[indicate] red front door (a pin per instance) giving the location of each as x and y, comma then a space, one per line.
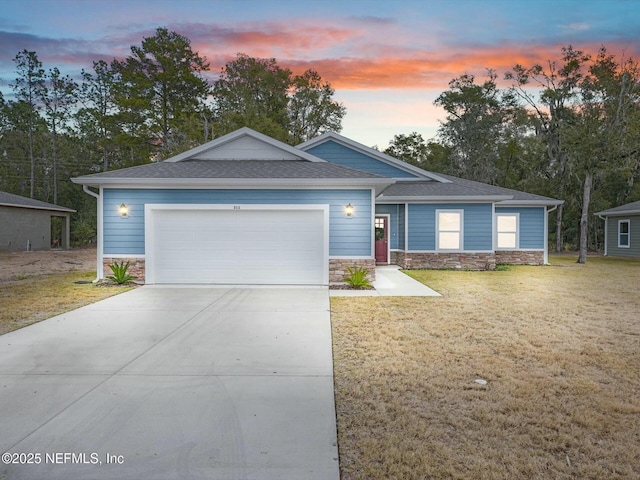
382, 239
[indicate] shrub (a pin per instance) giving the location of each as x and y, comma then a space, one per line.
358, 277
82, 233
120, 275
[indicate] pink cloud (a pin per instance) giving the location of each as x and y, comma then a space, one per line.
434, 70
357, 56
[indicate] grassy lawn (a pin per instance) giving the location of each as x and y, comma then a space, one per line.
559, 347
32, 299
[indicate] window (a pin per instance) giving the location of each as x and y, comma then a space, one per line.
449, 229
624, 227
507, 225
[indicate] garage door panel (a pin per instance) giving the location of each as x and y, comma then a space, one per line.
238, 246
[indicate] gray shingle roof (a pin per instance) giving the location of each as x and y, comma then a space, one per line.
203, 171
434, 189
460, 187
11, 200
238, 169
626, 209
516, 194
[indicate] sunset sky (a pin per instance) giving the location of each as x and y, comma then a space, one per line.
387, 60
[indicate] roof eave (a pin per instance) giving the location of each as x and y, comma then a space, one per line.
607, 213
229, 182
33, 207
441, 198
532, 203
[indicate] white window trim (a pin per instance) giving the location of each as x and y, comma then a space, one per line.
628, 234
447, 210
517, 232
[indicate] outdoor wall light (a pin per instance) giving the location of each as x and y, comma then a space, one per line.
348, 210
124, 210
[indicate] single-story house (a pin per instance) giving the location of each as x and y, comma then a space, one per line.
248, 209
622, 230
25, 224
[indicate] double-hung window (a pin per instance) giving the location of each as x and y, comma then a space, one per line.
449, 233
624, 229
508, 226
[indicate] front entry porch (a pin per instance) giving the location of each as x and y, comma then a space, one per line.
390, 282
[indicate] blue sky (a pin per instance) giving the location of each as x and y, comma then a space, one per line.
387, 60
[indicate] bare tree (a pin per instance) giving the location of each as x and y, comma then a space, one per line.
557, 85
29, 88
59, 95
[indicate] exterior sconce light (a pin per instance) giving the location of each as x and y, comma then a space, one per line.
348, 210
124, 210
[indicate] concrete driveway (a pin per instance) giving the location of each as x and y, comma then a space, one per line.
173, 383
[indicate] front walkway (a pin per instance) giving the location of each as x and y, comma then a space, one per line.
390, 282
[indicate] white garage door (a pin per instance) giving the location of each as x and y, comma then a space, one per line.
262, 245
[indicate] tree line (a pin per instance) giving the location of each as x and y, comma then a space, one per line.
149, 106
567, 129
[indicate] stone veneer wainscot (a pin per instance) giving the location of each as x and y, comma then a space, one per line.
338, 268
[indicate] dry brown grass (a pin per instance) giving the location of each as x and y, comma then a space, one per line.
558, 345
30, 300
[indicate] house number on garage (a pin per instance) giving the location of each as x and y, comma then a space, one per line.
236, 207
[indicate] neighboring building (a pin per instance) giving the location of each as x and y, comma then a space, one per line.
25, 223
622, 230
248, 209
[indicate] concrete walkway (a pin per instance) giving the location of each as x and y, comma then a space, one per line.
173, 383
390, 282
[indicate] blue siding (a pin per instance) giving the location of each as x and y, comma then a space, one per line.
531, 225
347, 157
396, 228
347, 236
478, 225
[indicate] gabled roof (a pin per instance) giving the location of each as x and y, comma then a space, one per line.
252, 141
246, 158
243, 157
632, 208
383, 157
11, 200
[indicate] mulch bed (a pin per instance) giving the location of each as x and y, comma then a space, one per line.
348, 287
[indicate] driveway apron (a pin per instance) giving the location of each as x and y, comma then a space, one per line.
173, 383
